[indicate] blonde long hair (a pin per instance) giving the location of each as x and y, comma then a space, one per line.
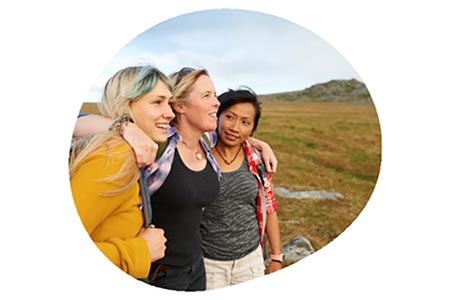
124, 87
182, 81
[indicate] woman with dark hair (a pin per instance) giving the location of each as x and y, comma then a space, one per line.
233, 226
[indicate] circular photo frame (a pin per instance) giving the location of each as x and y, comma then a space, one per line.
317, 116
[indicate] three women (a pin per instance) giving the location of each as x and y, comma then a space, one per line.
184, 180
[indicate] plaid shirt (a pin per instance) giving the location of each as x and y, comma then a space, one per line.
266, 198
157, 174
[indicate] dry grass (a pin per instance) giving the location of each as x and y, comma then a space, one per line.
320, 146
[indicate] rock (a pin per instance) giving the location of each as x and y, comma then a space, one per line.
293, 222
298, 248
284, 192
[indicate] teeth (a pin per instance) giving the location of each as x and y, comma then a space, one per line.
213, 115
162, 126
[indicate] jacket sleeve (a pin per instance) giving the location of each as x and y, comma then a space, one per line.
101, 214
271, 205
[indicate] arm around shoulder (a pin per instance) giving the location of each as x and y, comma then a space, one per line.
90, 124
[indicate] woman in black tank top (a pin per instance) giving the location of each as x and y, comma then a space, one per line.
191, 184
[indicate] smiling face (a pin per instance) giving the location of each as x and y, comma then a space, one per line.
236, 123
201, 105
152, 112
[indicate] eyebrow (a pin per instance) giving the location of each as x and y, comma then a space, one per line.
162, 96
229, 111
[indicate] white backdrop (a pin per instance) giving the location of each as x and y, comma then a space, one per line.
52, 52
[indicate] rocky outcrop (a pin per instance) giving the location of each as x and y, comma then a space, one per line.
297, 249
350, 91
284, 192
338, 91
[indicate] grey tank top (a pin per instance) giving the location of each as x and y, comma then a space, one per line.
229, 225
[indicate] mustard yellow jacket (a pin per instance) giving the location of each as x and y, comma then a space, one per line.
111, 221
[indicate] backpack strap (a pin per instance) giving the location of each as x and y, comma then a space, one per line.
145, 198
144, 192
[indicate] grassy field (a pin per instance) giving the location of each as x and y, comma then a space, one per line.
320, 146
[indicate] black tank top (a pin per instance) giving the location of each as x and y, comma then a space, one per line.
177, 208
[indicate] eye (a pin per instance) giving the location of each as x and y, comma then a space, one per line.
246, 122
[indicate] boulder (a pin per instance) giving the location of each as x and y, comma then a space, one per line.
325, 195
298, 248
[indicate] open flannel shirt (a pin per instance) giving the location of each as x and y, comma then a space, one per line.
157, 174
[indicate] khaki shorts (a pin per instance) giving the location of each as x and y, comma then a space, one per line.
222, 273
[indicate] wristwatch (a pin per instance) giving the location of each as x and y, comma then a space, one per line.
277, 257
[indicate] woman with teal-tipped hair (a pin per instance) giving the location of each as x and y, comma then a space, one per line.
104, 176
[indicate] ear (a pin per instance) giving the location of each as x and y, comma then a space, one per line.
178, 107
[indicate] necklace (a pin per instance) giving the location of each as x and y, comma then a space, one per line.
228, 162
197, 154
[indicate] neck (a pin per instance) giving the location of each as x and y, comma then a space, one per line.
228, 154
190, 137
226, 149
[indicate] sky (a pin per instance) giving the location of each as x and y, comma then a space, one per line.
238, 47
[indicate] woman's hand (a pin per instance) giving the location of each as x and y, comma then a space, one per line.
144, 148
275, 266
156, 241
269, 158
267, 154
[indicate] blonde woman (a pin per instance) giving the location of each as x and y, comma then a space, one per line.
104, 176
182, 181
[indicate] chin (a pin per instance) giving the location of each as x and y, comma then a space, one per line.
211, 128
160, 139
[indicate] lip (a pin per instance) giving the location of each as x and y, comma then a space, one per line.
162, 126
231, 137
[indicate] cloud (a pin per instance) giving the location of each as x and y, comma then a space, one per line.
238, 47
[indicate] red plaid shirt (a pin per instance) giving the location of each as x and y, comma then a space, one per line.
266, 197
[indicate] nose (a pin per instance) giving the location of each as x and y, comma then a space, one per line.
216, 102
234, 125
168, 112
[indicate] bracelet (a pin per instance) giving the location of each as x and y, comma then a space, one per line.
276, 260
277, 257
116, 126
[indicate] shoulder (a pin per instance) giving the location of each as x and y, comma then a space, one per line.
253, 154
114, 147
112, 152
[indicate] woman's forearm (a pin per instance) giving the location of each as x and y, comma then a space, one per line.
273, 233
267, 154
90, 124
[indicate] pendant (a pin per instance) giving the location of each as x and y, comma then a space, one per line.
198, 155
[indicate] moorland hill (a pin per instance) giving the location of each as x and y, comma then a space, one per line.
349, 91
